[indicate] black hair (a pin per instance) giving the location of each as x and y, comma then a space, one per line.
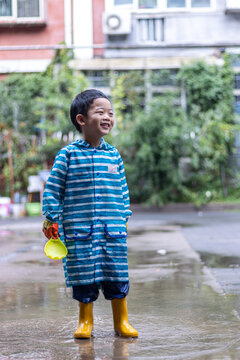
82, 102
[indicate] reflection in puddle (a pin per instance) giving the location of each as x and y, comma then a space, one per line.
120, 348
86, 349
30, 299
9, 256
182, 224
219, 261
150, 230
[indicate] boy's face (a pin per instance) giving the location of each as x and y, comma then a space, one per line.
99, 120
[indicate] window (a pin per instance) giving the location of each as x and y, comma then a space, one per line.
98, 78
123, 2
200, 3
150, 30
176, 3
237, 82
20, 8
164, 5
147, 4
163, 77
28, 8
5, 7
185, 3
237, 106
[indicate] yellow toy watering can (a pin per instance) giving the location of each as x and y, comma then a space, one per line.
55, 249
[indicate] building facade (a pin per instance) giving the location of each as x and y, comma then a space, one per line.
29, 30
117, 35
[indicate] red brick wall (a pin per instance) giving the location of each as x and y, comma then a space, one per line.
98, 38
51, 34
2, 77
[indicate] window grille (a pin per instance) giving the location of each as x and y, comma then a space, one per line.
5, 7
150, 30
20, 8
28, 8
98, 78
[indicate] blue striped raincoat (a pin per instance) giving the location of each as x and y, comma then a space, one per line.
87, 195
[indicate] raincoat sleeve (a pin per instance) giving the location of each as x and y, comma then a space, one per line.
54, 191
125, 191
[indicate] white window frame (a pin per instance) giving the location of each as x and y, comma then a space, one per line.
188, 7
15, 18
161, 6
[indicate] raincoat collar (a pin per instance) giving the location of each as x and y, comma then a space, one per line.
83, 143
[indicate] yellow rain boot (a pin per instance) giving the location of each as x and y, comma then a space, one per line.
120, 319
85, 326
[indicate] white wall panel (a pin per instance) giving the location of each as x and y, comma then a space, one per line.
83, 28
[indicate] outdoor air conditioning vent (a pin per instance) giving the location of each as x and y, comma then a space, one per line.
117, 23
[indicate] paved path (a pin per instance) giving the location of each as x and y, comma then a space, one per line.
175, 302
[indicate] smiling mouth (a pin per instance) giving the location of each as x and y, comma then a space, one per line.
105, 125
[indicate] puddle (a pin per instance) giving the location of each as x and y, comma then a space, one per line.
37, 262
177, 314
151, 230
219, 261
226, 270
177, 318
182, 224
9, 256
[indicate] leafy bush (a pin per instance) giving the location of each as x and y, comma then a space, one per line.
176, 154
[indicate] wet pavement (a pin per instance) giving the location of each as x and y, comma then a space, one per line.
176, 302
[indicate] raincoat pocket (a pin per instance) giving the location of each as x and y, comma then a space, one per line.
116, 240
115, 233
80, 234
79, 242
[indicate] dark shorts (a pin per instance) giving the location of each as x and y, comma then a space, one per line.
111, 290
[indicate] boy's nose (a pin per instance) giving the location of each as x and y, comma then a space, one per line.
106, 116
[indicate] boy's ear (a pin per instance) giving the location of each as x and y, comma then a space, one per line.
80, 119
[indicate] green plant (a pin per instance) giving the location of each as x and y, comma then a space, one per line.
34, 119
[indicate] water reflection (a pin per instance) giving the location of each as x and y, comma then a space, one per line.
23, 299
119, 346
86, 349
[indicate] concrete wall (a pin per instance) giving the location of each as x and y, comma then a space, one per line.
185, 32
83, 28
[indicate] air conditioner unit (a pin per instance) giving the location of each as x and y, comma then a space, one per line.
117, 23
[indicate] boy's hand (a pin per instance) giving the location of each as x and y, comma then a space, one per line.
50, 229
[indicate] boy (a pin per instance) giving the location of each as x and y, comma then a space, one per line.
86, 201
